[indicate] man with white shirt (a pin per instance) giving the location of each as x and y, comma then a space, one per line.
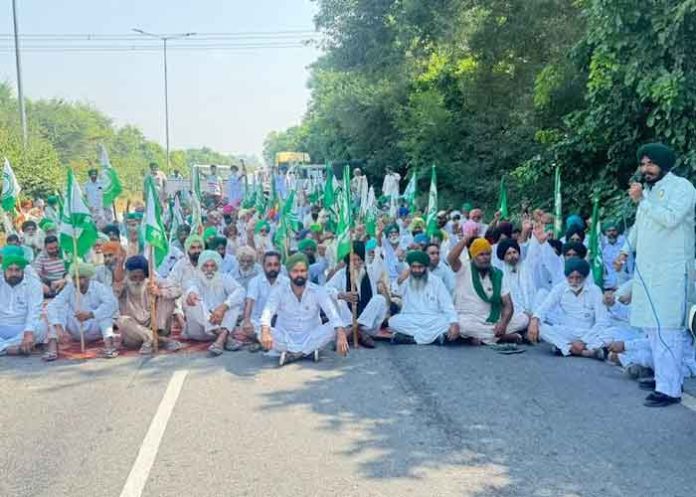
258, 291
440, 268
298, 329
212, 303
20, 312
573, 317
94, 191
94, 316
427, 314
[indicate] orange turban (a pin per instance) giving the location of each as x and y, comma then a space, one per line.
479, 246
111, 248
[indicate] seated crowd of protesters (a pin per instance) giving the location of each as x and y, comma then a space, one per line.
229, 285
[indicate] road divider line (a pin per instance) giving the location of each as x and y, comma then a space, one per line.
148, 449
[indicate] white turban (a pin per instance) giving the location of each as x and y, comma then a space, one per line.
209, 255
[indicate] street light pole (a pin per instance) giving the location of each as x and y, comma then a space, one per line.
20, 91
165, 39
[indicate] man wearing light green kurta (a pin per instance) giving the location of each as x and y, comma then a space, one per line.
663, 239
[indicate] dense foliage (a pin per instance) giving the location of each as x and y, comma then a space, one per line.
69, 133
486, 88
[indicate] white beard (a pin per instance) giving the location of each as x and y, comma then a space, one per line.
210, 284
135, 289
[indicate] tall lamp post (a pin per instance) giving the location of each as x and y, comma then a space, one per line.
165, 39
20, 92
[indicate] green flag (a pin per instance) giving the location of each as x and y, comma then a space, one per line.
431, 217
289, 224
111, 184
410, 192
329, 193
10, 188
77, 228
344, 217
595, 246
155, 234
557, 204
503, 205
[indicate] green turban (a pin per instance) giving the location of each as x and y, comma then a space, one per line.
260, 225
417, 256
315, 228
467, 206
13, 256
659, 154
295, 259
49, 226
417, 223
44, 222
392, 228
191, 240
83, 269
307, 243
371, 244
579, 265
137, 216
209, 232
52, 200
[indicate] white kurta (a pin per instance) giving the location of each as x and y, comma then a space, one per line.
225, 290
372, 315
99, 300
298, 326
20, 311
663, 239
94, 194
473, 312
426, 313
581, 317
258, 291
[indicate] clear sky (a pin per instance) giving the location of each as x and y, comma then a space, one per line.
228, 100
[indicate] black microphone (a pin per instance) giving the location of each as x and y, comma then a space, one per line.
637, 177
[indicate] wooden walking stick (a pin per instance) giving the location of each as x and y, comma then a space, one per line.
76, 284
153, 301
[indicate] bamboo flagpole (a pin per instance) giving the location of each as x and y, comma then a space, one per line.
153, 301
76, 283
353, 289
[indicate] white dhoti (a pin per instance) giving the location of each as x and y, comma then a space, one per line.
668, 355
198, 325
370, 318
11, 335
304, 342
424, 328
472, 326
92, 329
562, 336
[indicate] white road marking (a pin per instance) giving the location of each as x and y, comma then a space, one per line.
689, 401
148, 449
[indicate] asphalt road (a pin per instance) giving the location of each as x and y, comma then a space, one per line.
396, 421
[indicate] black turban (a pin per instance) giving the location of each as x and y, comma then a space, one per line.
504, 246
137, 262
577, 247
358, 249
575, 230
659, 154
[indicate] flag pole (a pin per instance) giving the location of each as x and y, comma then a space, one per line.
77, 292
353, 289
153, 301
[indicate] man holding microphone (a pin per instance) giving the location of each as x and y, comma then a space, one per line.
663, 240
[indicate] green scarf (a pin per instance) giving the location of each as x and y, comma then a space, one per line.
495, 300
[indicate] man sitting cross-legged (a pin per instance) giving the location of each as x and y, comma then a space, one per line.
94, 315
260, 288
20, 305
296, 304
212, 303
573, 316
482, 297
135, 290
369, 296
427, 313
